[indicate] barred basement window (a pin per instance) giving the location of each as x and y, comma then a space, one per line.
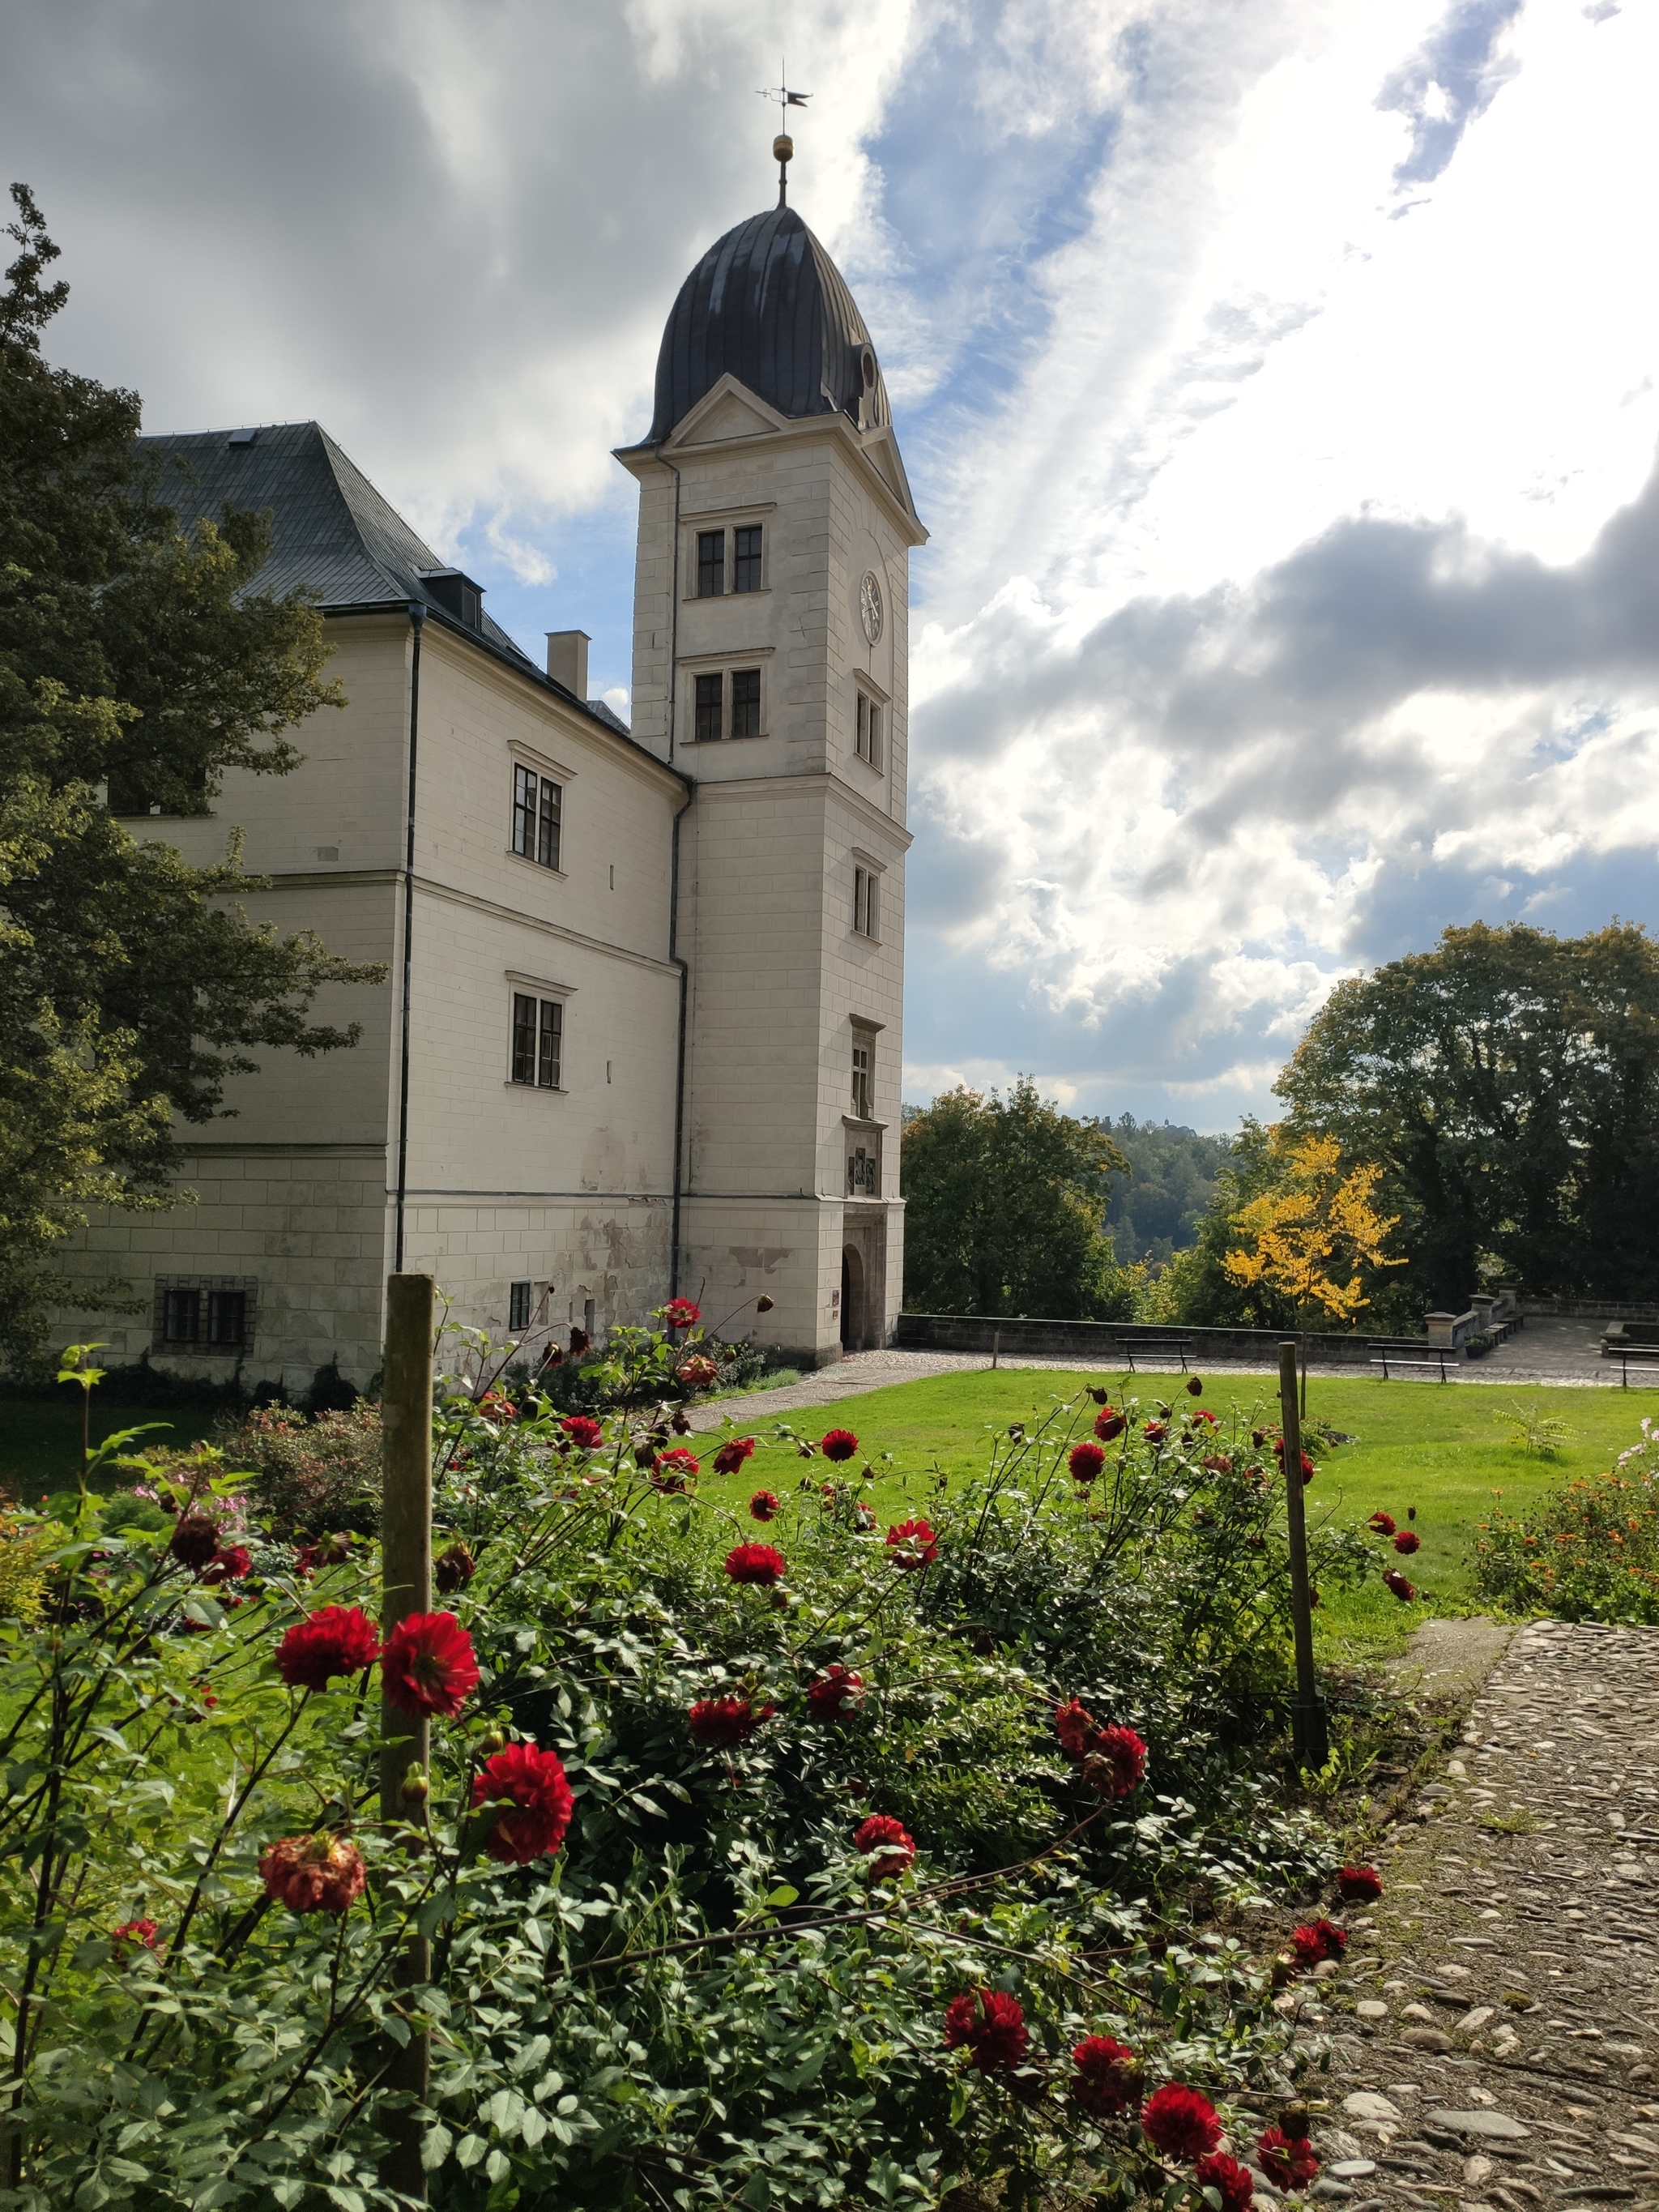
746, 565
746, 702
711, 564
867, 903
204, 1313
711, 697
226, 1318
538, 1041
518, 1305
181, 1316
537, 815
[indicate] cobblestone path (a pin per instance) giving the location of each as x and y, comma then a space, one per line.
1495, 2024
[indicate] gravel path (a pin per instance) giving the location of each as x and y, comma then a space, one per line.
1494, 2031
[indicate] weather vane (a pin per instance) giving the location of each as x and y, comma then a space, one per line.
783, 145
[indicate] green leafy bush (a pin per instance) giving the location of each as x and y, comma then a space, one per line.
1591, 1551
711, 1994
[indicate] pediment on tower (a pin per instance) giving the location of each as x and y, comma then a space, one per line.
728, 410
881, 451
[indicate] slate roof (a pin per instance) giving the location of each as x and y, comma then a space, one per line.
767, 305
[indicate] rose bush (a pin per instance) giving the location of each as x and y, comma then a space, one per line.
644, 1851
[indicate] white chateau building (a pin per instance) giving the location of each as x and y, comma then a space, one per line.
641, 1033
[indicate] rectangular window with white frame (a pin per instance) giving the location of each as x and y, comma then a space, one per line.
538, 816
537, 1041
726, 703
867, 903
867, 730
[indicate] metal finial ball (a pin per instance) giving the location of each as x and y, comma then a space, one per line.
783, 147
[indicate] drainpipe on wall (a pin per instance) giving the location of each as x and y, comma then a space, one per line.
416, 622
674, 886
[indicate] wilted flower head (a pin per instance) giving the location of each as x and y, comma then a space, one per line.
729, 1459
882, 1834
312, 1874
1180, 2121
697, 1372
231, 1563
530, 1787
1403, 1589
428, 1667
194, 1540
673, 1470
453, 1568
1155, 1431
1109, 1423
764, 1302
990, 2025
579, 1342
1107, 2079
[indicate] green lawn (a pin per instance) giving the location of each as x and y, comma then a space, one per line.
41, 1438
1442, 1449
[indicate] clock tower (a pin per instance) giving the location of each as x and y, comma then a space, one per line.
771, 669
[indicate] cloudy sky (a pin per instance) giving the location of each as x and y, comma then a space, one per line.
1278, 382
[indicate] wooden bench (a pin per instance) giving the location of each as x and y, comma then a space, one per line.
1409, 1351
1623, 1353
1147, 1344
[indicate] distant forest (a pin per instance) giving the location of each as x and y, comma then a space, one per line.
1156, 1212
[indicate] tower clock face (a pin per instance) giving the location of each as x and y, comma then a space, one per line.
870, 607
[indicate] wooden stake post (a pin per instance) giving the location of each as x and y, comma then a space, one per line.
1309, 1734
406, 1573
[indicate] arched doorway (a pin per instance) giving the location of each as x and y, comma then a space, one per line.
852, 1299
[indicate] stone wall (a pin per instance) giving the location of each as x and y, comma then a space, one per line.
1101, 1343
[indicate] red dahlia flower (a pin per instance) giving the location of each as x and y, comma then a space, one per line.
1116, 1762
1402, 1588
1232, 2182
327, 1552
1076, 1727
891, 1838
840, 1443
1155, 1431
682, 1313
194, 1540
698, 1372
1287, 2160
1359, 1884
1109, 1424
758, 1564
337, 1639
1308, 1470
764, 1505
1407, 1542
1179, 2122
142, 1932
912, 1544
1384, 1524
673, 1470
1108, 2076
453, 1568
835, 1691
990, 2025
530, 1782
1217, 1463
730, 1458
312, 1874
583, 1430
1086, 1462
231, 1563
1201, 1413
717, 1723
428, 1667
1317, 1940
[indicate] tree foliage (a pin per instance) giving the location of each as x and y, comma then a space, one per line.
1316, 1224
1155, 1210
1507, 1085
1004, 1204
136, 667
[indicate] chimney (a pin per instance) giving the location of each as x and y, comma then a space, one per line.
567, 660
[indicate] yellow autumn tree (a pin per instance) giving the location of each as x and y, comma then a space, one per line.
1315, 1227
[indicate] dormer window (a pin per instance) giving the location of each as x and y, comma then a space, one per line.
456, 595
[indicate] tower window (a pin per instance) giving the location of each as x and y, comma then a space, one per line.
862, 1083
538, 813
746, 702
746, 563
518, 1305
538, 1041
867, 730
711, 565
710, 700
867, 903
